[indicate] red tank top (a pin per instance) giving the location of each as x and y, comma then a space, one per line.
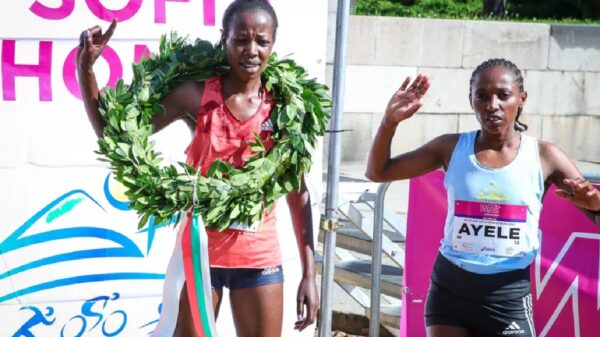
219, 135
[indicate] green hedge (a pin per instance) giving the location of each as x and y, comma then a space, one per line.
456, 9
576, 11
556, 9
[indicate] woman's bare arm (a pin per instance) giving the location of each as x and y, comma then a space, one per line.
92, 43
561, 171
307, 302
182, 103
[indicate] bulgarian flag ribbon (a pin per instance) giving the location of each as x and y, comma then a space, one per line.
197, 275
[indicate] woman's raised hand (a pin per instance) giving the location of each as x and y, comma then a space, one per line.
407, 100
583, 195
91, 44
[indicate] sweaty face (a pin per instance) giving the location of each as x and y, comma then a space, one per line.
248, 43
496, 98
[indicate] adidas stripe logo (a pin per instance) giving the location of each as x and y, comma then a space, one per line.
267, 126
513, 329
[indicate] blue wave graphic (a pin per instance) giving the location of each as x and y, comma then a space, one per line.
18, 239
120, 205
82, 279
15, 241
150, 229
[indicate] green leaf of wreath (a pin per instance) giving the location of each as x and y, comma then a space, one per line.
300, 115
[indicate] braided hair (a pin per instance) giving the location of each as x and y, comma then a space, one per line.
240, 6
519, 126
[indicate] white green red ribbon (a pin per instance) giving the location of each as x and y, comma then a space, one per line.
197, 275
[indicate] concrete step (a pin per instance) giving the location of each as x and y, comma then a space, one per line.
364, 223
388, 315
358, 273
391, 218
351, 238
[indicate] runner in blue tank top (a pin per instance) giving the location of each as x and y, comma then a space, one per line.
496, 178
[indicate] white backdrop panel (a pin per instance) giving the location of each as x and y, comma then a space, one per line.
71, 258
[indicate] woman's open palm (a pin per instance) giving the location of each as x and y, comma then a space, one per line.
407, 100
583, 195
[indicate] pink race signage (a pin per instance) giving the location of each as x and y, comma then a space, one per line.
53, 55
565, 275
126, 12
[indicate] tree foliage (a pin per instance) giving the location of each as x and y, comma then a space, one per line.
422, 8
474, 9
556, 9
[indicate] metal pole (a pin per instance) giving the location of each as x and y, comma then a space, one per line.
333, 165
376, 261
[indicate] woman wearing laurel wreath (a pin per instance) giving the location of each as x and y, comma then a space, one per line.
223, 113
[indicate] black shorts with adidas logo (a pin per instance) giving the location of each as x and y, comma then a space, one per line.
487, 305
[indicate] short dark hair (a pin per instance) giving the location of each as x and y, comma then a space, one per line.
240, 6
519, 126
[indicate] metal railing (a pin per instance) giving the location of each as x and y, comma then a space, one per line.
376, 261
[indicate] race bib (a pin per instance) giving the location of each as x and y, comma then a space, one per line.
489, 228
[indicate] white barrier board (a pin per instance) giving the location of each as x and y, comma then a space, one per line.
72, 262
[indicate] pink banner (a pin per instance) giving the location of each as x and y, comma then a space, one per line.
565, 275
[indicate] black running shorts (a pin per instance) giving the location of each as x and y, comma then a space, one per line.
487, 305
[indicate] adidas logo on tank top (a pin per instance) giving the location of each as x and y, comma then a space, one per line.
267, 126
513, 329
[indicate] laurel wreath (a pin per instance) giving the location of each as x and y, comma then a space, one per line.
225, 194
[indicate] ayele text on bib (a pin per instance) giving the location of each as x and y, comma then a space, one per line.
488, 228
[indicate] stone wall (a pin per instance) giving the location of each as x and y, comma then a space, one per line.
560, 64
